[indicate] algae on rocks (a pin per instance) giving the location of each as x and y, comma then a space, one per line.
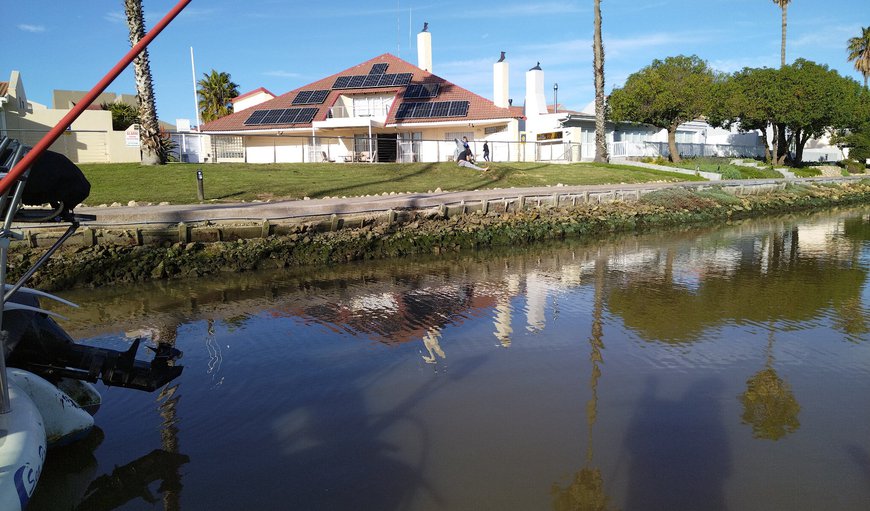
420, 232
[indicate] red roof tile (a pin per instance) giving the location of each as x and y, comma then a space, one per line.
4, 88
479, 108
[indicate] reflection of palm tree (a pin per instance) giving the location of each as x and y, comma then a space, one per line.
586, 491
769, 404
168, 399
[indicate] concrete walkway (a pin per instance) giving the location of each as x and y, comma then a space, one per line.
297, 209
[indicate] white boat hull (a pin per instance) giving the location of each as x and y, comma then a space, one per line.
22, 450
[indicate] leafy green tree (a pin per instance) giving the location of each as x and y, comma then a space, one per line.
152, 148
123, 115
665, 94
216, 91
859, 52
816, 101
747, 100
857, 138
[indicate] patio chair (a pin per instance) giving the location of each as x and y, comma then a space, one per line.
326, 157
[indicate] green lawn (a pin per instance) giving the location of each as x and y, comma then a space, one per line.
227, 182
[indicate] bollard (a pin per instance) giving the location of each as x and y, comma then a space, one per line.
200, 193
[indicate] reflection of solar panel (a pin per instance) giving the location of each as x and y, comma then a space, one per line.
341, 82
281, 116
427, 110
310, 97
256, 117
379, 69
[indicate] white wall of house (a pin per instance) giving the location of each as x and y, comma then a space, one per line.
251, 100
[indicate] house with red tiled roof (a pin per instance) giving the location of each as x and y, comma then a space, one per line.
380, 110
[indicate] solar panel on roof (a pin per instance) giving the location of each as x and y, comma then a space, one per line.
458, 109
341, 82
306, 115
403, 79
256, 117
302, 97
387, 80
426, 109
288, 116
413, 91
440, 108
356, 81
379, 69
272, 116
318, 97
423, 110
402, 112
429, 90
371, 81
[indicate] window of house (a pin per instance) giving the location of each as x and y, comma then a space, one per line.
450, 135
367, 105
685, 137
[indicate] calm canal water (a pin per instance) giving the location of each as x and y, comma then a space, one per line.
701, 369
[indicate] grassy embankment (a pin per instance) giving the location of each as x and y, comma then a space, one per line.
729, 171
228, 182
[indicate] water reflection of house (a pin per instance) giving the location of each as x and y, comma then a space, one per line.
396, 317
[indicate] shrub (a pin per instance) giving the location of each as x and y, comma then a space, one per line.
731, 173
853, 166
807, 172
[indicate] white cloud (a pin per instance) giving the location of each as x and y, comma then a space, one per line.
115, 17
31, 28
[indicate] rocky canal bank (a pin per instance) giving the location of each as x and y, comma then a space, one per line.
186, 251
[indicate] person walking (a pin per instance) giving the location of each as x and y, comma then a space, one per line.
486, 151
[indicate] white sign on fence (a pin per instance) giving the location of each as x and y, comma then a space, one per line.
131, 135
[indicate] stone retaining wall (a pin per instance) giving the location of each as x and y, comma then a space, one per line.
210, 232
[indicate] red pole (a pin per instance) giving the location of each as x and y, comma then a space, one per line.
89, 98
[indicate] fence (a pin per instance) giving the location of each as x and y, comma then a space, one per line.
653, 149
111, 147
79, 146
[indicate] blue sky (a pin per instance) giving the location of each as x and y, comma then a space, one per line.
282, 45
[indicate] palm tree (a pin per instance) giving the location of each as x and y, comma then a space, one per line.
152, 148
783, 4
859, 51
216, 91
598, 68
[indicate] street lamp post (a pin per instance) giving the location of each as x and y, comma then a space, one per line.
555, 97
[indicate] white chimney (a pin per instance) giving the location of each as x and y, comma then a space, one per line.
424, 49
536, 103
500, 82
